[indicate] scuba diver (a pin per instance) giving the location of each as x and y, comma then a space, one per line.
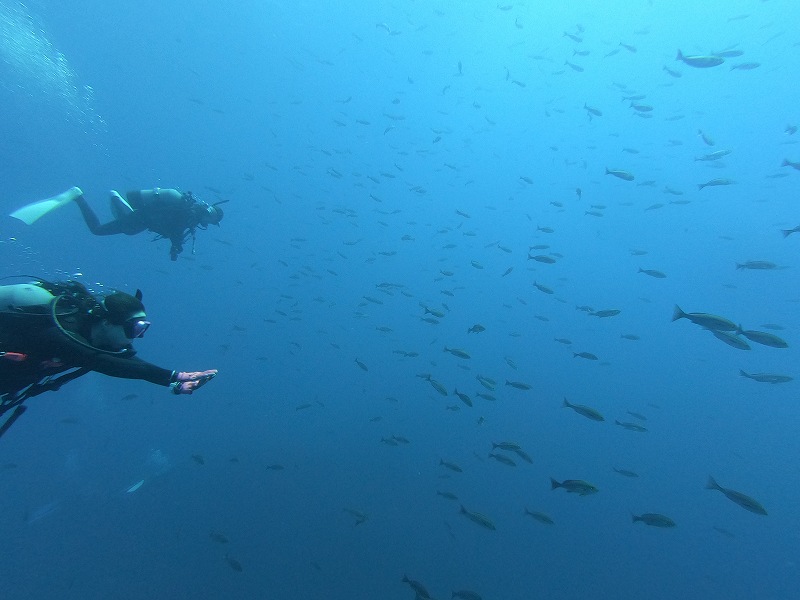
166, 212
52, 333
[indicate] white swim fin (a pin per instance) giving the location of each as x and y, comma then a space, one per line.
34, 211
119, 206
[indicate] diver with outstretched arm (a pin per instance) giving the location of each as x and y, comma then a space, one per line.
52, 333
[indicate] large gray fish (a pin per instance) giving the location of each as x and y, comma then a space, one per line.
625, 175
631, 426
652, 273
463, 397
788, 163
731, 339
763, 338
510, 446
700, 62
706, 320
418, 588
739, 498
478, 518
523, 455
788, 232
502, 459
654, 520
713, 155
591, 111
451, 465
586, 411
539, 516
520, 385
730, 53
575, 486
766, 377
758, 265
457, 352
486, 382
234, 564
439, 387
625, 472
715, 182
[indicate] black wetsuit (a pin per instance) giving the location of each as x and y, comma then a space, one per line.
163, 212
41, 350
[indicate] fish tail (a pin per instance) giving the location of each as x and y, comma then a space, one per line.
785, 163
786, 232
680, 55
677, 313
566, 403
743, 374
712, 485
634, 518
554, 484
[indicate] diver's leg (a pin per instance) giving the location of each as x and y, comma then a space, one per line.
92, 222
110, 228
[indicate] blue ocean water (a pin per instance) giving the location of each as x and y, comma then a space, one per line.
386, 162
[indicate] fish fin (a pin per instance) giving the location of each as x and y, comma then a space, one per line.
677, 313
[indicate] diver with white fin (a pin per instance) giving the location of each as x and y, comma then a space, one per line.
168, 213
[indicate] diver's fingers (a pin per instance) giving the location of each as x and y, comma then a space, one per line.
196, 375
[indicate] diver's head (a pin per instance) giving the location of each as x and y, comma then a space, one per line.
123, 319
208, 214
